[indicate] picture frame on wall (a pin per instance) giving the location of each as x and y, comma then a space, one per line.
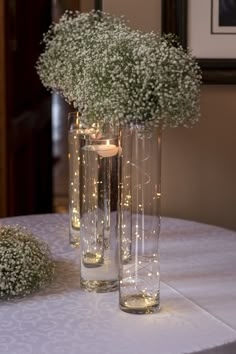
223, 17
208, 28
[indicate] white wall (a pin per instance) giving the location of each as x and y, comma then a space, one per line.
198, 164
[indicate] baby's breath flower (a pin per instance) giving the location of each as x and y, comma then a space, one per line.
25, 262
111, 72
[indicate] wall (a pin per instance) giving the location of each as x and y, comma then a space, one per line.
198, 164
143, 15
86, 5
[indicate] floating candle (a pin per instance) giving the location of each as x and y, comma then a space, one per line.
107, 150
103, 150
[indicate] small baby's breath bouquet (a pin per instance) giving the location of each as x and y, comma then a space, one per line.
25, 262
111, 72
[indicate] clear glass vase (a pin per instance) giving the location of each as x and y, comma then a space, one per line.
99, 154
139, 219
73, 160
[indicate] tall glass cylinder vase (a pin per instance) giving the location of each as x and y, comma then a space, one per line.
139, 219
73, 161
99, 154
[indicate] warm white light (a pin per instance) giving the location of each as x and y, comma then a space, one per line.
107, 150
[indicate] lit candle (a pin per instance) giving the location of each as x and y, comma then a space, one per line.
107, 150
103, 150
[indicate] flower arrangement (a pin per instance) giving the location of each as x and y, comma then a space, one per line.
25, 262
111, 72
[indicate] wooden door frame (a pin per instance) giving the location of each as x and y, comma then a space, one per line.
3, 123
25, 123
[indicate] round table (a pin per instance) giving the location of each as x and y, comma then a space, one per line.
198, 299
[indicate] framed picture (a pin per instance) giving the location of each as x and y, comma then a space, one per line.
208, 28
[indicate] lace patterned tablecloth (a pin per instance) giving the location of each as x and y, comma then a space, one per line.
198, 299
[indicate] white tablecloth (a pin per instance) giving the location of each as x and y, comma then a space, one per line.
198, 299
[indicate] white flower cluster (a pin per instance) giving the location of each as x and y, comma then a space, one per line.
25, 262
111, 72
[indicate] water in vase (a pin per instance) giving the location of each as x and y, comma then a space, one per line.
74, 200
98, 197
